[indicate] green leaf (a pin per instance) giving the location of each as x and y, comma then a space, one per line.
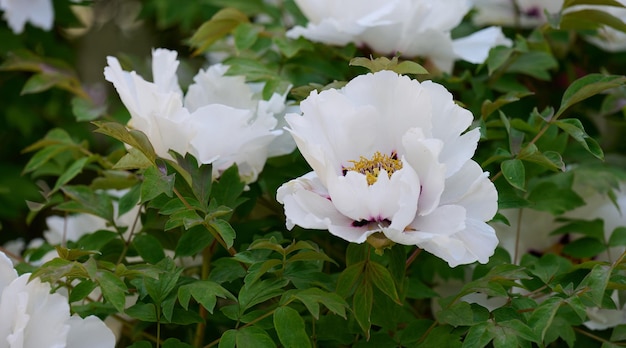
548, 196
514, 173
584, 248
253, 336
575, 129
289, 48
228, 339
82, 290
155, 183
160, 288
384, 63
382, 279
175, 343
618, 237
260, 291
227, 190
289, 326
143, 311
113, 289
535, 64
590, 19
134, 159
588, 86
141, 344
542, 317
362, 303
221, 24
203, 291
348, 279
245, 35
85, 200
497, 57
193, 241
129, 200
134, 138
225, 230
311, 297
479, 335
201, 177
570, 3
595, 282
310, 256
463, 314
149, 248
488, 106
71, 172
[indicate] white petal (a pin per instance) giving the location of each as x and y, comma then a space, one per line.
49, 312
308, 205
90, 331
471, 188
475, 47
477, 242
423, 154
39, 13
7, 272
445, 220
212, 87
164, 66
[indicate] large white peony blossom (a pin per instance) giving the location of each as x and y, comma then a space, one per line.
221, 120
389, 155
32, 317
408, 27
39, 13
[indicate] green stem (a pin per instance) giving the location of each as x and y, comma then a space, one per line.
207, 254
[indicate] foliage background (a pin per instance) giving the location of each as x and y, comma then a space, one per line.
267, 291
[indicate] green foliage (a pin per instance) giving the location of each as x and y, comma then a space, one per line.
186, 255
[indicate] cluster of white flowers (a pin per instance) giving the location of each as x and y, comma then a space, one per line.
221, 120
389, 155
407, 27
32, 317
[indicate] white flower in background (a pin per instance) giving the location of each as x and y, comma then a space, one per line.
409, 27
520, 13
32, 317
535, 226
39, 13
388, 155
73, 227
607, 38
221, 120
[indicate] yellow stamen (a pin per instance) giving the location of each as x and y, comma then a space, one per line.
372, 167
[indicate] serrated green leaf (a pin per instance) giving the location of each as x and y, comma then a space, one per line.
289, 326
160, 288
205, 292
155, 183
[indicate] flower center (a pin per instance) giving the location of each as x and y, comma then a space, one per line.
371, 167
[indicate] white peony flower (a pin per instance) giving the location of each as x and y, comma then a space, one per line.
39, 13
32, 317
409, 27
221, 120
388, 155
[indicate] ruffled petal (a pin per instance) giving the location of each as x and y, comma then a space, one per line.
475, 47
471, 188
90, 329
